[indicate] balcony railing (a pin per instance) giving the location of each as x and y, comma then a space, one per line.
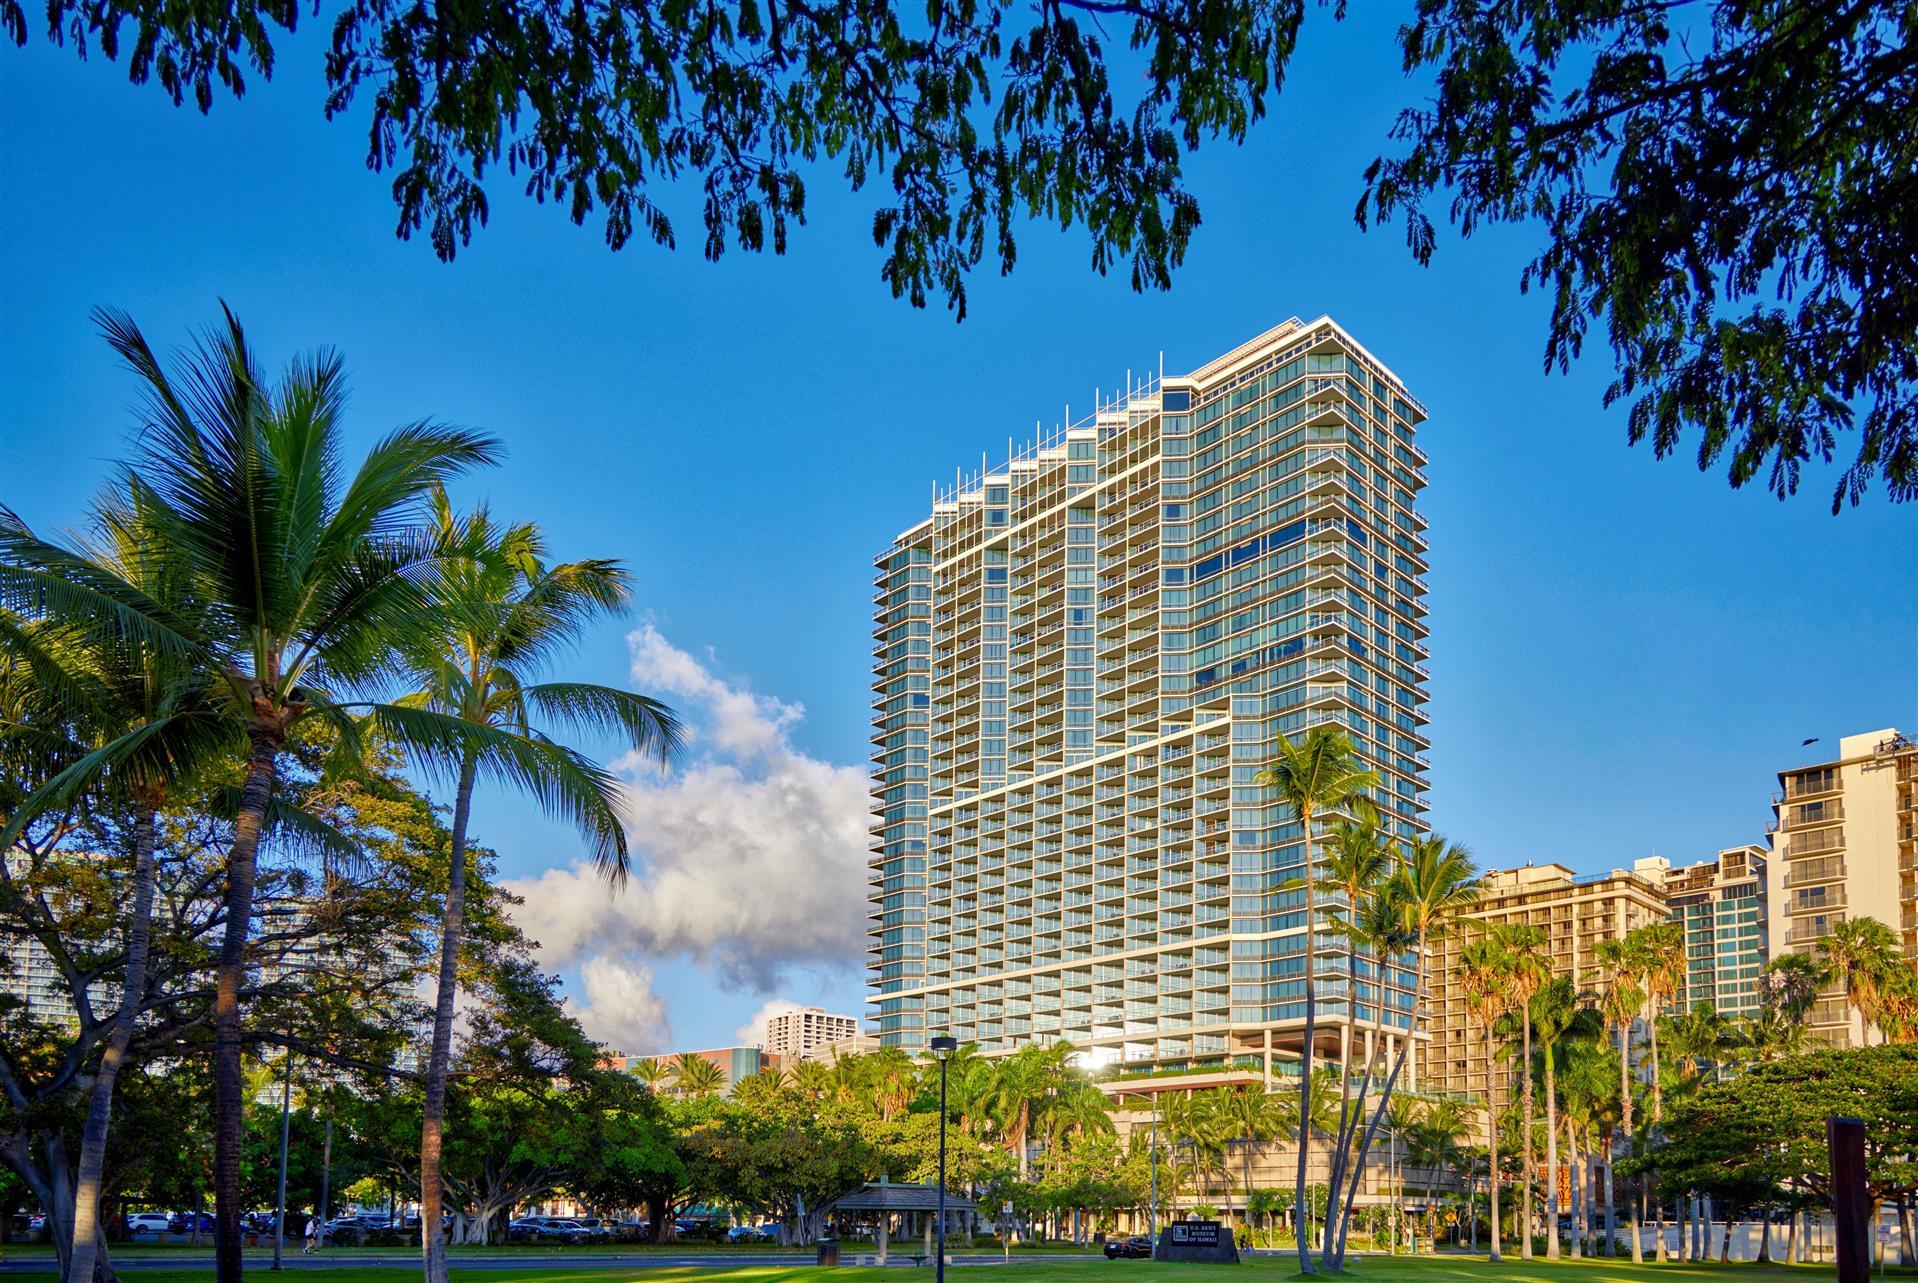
1831, 898
1815, 841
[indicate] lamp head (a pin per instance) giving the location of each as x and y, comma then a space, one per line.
943, 1046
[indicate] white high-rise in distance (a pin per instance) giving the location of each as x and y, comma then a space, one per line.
1084, 656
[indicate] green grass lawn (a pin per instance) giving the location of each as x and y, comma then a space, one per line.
1272, 1269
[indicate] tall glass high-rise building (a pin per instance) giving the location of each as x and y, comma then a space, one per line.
1084, 656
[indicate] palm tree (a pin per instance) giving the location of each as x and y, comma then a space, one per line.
1862, 954
1527, 970
313, 576
1435, 884
1659, 949
651, 1071
1402, 1116
139, 728
1253, 1117
1361, 858
1437, 1147
1792, 983
694, 1075
1770, 1035
1696, 1038
1317, 773
1024, 1077
1482, 973
1554, 1011
503, 615
1619, 1004
812, 1079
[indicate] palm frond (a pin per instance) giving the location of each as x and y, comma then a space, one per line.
648, 725
565, 784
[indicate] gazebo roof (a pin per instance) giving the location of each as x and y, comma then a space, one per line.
883, 1196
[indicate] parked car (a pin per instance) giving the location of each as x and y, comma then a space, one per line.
598, 1228
182, 1222
752, 1234
352, 1231
148, 1222
1138, 1247
631, 1232
546, 1229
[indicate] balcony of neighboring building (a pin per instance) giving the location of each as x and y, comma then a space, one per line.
1815, 900
1826, 868
1807, 815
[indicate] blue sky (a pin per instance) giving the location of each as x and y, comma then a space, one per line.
1624, 651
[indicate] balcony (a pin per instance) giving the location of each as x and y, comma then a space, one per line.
1799, 817
1829, 869
1804, 933
1827, 898
1802, 844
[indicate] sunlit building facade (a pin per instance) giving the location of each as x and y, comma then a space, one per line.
1845, 845
1085, 655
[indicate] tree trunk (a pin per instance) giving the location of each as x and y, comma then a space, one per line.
1301, 1221
1525, 1136
229, 1078
1378, 1114
1792, 1256
1491, 1138
433, 1113
1551, 1156
1906, 1252
1725, 1242
326, 1173
1578, 1196
93, 1136
1764, 1236
1611, 1199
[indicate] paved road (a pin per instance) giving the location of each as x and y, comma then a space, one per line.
133, 1260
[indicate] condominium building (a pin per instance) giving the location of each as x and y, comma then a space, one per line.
1721, 903
1845, 845
801, 1034
1082, 659
1577, 912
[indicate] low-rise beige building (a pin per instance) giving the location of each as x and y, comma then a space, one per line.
1845, 845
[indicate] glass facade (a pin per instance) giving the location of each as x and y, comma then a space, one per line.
1085, 656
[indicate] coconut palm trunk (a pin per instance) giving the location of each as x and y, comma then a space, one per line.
1551, 1156
1525, 1137
93, 1135
432, 1242
1491, 1137
1624, 1136
229, 1078
1300, 1219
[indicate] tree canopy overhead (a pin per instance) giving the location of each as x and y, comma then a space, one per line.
1725, 182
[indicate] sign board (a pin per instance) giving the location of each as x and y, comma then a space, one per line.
1196, 1241
1195, 1233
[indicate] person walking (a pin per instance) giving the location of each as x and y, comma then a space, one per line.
312, 1236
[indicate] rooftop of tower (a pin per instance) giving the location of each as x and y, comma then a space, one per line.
1140, 394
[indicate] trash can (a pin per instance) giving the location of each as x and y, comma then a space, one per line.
829, 1251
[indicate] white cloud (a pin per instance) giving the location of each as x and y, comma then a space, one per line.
621, 1008
753, 1032
750, 859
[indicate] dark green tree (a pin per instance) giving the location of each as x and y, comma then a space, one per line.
1725, 182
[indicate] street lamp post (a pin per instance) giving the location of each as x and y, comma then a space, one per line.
942, 1047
